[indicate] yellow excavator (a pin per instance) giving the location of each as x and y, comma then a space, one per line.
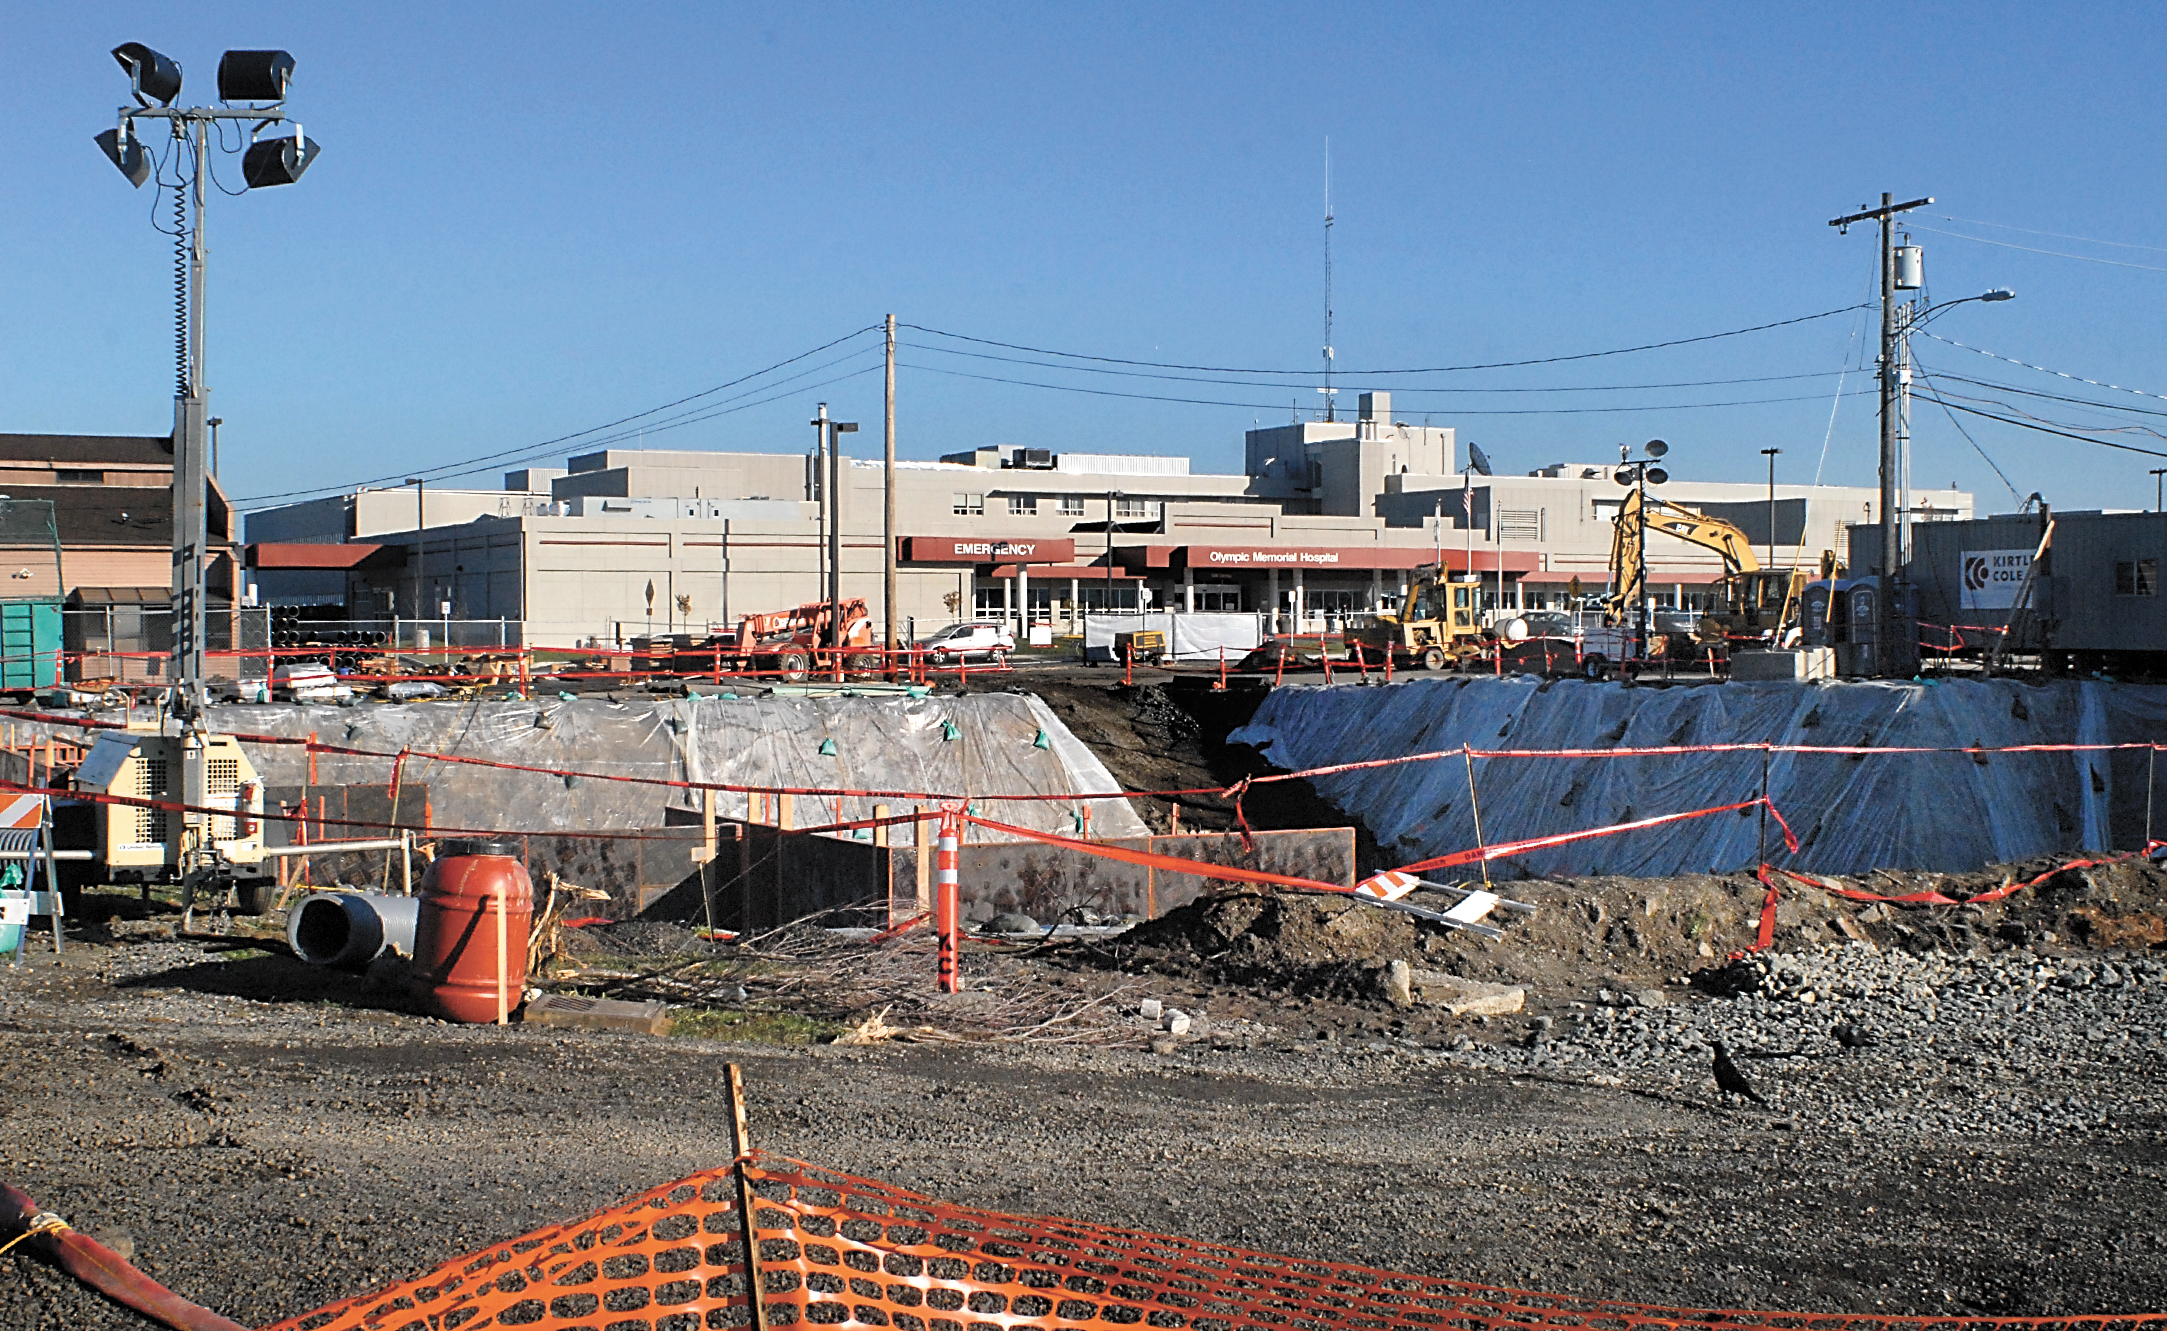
1754, 602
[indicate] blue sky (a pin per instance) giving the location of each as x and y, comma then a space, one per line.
531, 220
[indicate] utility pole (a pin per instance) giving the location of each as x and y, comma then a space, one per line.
1890, 641
887, 502
1770, 454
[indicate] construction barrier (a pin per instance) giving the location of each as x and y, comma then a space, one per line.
835, 1250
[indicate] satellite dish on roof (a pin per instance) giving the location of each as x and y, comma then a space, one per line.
1478, 459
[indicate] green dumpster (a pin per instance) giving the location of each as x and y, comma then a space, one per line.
29, 643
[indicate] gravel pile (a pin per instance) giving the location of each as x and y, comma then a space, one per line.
2014, 1042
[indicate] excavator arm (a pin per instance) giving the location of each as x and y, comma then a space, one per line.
1676, 520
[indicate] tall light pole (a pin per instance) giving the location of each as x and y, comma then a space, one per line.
243, 76
2158, 490
1770, 454
1639, 475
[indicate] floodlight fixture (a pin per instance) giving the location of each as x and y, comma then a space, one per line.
126, 152
150, 74
1656, 448
1657, 476
254, 76
278, 161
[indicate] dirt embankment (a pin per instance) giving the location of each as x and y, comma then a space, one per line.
1169, 733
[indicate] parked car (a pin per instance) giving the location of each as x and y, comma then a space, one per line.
961, 642
1563, 642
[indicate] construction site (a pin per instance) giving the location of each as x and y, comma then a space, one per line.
1049, 886
1424, 976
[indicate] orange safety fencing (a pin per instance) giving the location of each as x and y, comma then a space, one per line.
835, 1250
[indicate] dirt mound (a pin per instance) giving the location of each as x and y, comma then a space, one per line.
1591, 934
1306, 945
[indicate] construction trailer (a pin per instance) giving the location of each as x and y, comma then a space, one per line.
2089, 600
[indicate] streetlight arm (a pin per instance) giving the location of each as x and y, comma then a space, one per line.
1996, 294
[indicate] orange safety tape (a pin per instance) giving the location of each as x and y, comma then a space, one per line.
1505, 849
1500, 850
429, 830
838, 1250
1233, 793
1153, 860
1767, 934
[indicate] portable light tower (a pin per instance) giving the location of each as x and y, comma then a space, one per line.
208, 849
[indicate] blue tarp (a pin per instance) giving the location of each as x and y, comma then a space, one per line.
1943, 812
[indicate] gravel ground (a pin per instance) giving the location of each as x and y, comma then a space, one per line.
1999, 1152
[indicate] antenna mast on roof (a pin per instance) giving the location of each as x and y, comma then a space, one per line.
1328, 391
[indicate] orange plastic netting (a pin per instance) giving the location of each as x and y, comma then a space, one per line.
836, 1250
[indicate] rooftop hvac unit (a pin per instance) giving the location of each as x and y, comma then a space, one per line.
1033, 459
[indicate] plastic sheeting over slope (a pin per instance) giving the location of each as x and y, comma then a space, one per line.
881, 744
1946, 812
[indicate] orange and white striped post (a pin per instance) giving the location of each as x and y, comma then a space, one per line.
944, 893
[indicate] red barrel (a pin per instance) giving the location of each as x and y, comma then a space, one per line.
470, 888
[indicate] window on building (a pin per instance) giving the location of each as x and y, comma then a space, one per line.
1098, 596
79, 476
1022, 504
1072, 506
1132, 508
2136, 577
970, 506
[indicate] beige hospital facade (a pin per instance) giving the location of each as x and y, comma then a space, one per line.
1326, 520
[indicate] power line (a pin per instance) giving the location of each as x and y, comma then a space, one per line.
498, 458
2067, 425
2011, 360
1431, 369
1301, 383
859, 373
2027, 425
2034, 249
1263, 406
2058, 235
1934, 397
2051, 397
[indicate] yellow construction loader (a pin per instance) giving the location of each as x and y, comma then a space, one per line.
1436, 629
1753, 602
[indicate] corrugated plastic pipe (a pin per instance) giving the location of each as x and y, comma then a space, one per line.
351, 928
100, 1267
